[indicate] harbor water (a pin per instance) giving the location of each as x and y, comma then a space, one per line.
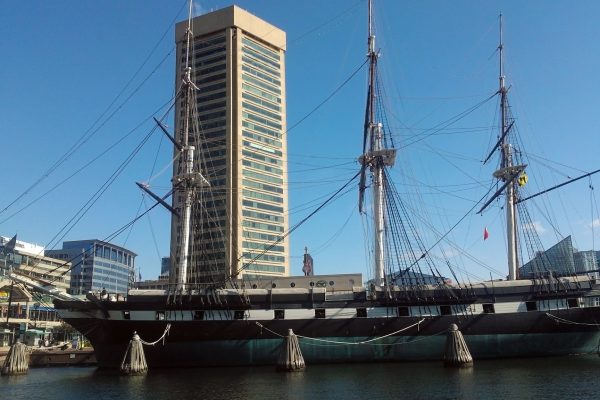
541, 378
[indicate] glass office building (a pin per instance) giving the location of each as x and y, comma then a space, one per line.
97, 265
562, 259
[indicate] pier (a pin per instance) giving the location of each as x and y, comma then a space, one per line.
56, 357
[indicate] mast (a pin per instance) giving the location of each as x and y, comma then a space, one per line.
188, 180
508, 171
376, 170
376, 157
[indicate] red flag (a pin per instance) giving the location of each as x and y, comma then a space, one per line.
485, 233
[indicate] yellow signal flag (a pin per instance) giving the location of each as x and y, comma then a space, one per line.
523, 179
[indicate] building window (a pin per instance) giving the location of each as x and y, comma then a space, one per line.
531, 305
279, 314
403, 311
199, 315
261, 246
239, 314
261, 157
573, 303
446, 310
126, 315
258, 82
488, 308
361, 312
260, 48
319, 313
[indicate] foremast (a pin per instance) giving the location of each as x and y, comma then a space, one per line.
376, 157
188, 180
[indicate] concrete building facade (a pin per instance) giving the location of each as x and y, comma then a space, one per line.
239, 114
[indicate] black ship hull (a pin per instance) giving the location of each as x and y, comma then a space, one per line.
392, 338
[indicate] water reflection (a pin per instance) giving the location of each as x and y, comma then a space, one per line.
552, 378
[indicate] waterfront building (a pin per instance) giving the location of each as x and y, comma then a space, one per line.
29, 260
411, 278
562, 259
238, 65
161, 283
165, 266
19, 305
97, 265
150, 284
586, 262
557, 259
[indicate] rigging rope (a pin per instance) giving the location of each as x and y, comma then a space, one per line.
328, 22
328, 97
90, 132
450, 230
106, 239
282, 237
96, 196
443, 125
106, 151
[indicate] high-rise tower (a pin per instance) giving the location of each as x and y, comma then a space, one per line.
238, 126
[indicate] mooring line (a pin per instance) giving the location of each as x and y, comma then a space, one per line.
367, 342
566, 321
165, 333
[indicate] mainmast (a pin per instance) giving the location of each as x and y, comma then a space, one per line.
508, 172
376, 157
187, 181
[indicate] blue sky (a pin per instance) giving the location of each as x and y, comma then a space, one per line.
64, 63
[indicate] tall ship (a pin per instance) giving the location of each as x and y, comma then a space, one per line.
397, 316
